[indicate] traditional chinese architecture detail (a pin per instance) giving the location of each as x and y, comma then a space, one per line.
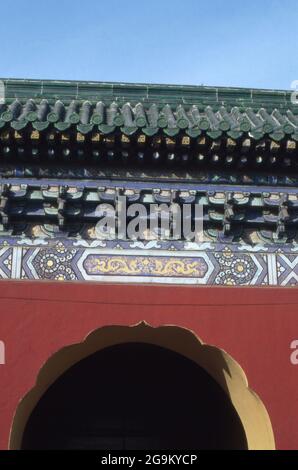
6, 255
245, 269
287, 269
162, 266
90, 111
32, 208
205, 264
68, 147
52, 263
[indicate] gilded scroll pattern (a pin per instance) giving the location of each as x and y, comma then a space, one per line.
145, 266
205, 264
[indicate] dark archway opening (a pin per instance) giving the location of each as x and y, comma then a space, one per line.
134, 396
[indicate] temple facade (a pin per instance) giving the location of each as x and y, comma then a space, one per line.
117, 330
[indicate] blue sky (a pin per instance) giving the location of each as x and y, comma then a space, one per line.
220, 42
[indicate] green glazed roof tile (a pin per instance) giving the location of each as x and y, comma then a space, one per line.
170, 109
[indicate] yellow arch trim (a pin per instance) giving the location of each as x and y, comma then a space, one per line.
220, 365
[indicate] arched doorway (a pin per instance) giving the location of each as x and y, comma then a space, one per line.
134, 396
216, 363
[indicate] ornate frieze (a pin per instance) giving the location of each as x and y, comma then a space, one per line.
69, 148
151, 262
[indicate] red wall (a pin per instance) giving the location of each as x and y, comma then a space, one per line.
255, 325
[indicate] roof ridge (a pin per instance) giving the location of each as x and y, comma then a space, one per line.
89, 83
108, 92
137, 84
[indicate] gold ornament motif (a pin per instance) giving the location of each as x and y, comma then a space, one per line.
185, 141
141, 139
95, 137
145, 266
80, 137
17, 135
34, 135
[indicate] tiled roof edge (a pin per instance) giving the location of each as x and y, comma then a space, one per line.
137, 92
